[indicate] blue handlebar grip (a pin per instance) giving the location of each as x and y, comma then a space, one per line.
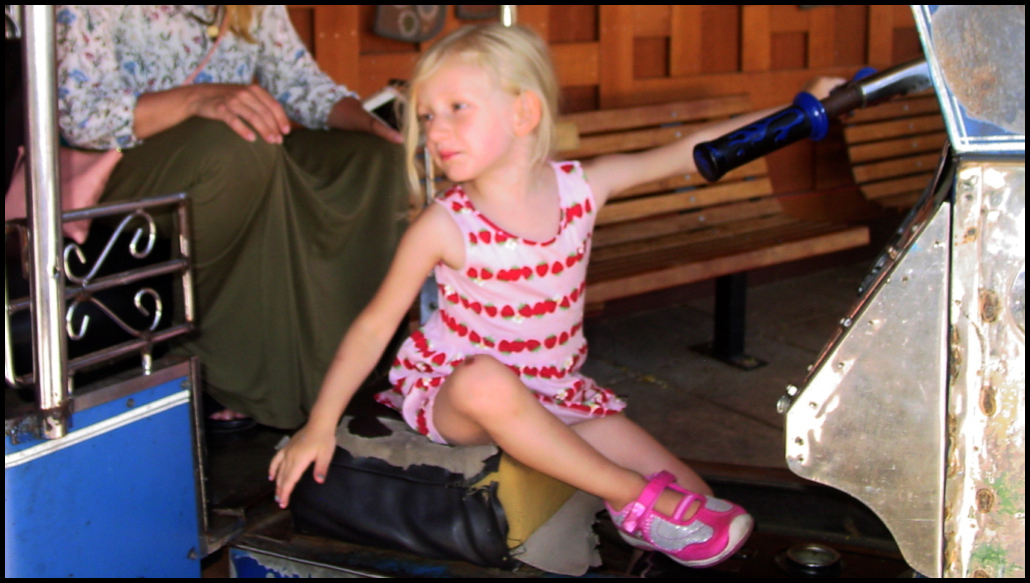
816, 114
789, 125
863, 73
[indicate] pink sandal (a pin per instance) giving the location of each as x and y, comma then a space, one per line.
714, 533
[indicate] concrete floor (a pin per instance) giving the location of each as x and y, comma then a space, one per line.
701, 408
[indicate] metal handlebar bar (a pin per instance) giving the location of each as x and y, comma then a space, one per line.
808, 117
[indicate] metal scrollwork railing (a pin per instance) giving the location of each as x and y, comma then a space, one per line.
134, 249
83, 328
81, 289
12, 22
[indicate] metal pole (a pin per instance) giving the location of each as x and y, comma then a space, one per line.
44, 206
509, 14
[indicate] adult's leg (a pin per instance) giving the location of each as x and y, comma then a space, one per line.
285, 254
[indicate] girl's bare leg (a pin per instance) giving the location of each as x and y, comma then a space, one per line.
628, 445
483, 401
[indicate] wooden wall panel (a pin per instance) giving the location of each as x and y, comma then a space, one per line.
851, 25
573, 23
685, 48
721, 26
756, 46
822, 30
620, 55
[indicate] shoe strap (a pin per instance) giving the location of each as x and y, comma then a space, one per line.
645, 502
688, 499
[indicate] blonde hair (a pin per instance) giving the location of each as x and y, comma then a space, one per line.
239, 18
516, 57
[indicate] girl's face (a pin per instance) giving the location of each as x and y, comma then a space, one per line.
468, 120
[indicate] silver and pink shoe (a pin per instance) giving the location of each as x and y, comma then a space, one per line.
716, 531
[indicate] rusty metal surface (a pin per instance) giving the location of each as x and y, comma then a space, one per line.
980, 53
870, 418
985, 489
977, 54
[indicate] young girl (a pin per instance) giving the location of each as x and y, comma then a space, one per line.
499, 361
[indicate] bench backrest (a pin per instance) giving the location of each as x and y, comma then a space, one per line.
895, 148
678, 204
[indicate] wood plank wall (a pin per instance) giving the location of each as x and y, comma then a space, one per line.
620, 55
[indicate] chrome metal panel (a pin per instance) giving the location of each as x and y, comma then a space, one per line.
870, 419
985, 487
977, 55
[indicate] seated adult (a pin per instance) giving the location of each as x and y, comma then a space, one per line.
293, 229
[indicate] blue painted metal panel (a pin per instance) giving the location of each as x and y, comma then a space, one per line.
115, 497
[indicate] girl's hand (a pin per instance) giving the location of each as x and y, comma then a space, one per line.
821, 87
293, 459
242, 107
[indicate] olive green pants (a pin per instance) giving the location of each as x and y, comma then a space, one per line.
290, 242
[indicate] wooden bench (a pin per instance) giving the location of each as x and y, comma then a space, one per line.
684, 230
895, 148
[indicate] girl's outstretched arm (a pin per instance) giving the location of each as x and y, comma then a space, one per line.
433, 237
612, 174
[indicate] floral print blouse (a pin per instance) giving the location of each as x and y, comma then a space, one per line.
110, 55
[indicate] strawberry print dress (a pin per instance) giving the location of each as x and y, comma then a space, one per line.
518, 301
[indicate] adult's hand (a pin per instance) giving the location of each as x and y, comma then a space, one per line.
249, 110
350, 114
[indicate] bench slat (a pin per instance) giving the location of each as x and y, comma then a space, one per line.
703, 266
908, 184
593, 122
731, 239
633, 255
895, 167
924, 103
905, 200
858, 134
712, 216
629, 141
756, 169
660, 204
900, 147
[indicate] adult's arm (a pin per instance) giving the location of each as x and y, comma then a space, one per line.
241, 107
286, 69
94, 105
108, 101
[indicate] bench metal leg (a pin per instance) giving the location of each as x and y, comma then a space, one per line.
730, 308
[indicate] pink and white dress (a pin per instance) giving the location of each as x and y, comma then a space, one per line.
518, 301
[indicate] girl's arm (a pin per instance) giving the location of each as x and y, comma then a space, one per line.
433, 237
615, 173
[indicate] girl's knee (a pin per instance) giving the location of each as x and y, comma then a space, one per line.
482, 383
